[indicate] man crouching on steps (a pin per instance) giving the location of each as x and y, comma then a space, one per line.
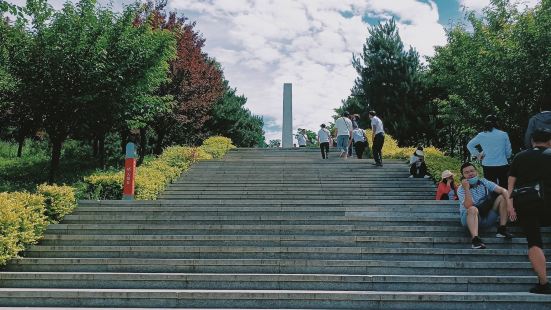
481, 203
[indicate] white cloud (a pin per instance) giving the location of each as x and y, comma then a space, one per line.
264, 43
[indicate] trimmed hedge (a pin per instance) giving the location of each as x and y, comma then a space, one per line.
58, 200
217, 146
22, 222
153, 176
24, 216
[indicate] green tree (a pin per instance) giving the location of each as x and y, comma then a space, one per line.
230, 118
499, 63
87, 68
274, 143
389, 82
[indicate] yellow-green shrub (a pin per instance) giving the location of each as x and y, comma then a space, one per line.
217, 146
391, 150
22, 222
152, 179
435, 159
58, 200
104, 185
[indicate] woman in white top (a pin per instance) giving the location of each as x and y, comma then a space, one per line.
496, 151
359, 140
324, 138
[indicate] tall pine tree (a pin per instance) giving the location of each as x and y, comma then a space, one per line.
389, 83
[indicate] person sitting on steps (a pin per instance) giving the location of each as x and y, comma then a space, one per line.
481, 204
417, 165
447, 189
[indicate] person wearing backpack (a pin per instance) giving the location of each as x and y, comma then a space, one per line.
540, 120
359, 140
530, 189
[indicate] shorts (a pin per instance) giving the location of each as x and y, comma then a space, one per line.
483, 222
531, 222
342, 143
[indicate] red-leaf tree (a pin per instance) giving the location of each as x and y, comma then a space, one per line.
196, 83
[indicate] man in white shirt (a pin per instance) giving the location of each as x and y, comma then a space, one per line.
301, 137
324, 137
344, 133
378, 138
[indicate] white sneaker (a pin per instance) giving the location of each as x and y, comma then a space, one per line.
427, 177
411, 176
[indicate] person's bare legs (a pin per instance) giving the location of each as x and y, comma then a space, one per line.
537, 259
500, 206
472, 221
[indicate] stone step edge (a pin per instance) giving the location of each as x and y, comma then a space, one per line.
273, 262
304, 295
264, 277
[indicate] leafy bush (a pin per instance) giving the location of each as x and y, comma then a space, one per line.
22, 222
104, 185
153, 176
59, 200
217, 146
152, 179
435, 159
391, 150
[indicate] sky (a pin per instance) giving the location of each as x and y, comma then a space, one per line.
262, 44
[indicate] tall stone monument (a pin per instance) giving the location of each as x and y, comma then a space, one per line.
287, 132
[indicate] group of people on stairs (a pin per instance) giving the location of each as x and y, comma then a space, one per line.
512, 190
349, 134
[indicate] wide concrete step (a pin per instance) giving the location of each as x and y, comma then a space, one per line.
278, 240
300, 187
313, 192
277, 202
411, 196
268, 298
274, 229
283, 252
378, 219
151, 210
276, 266
100, 280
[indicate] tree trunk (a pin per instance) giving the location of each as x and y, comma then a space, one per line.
95, 147
56, 155
124, 140
101, 150
143, 145
20, 146
159, 144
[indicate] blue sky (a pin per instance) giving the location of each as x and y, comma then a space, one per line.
264, 43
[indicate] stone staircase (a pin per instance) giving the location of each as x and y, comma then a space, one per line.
274, 229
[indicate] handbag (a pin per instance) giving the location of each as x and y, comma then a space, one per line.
528, 196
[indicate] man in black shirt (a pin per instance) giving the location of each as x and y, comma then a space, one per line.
530, 167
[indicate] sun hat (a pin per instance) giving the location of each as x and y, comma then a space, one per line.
446, 174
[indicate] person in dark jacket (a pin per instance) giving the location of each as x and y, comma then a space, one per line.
530, 188
540, 120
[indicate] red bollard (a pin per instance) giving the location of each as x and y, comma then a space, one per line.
129, 172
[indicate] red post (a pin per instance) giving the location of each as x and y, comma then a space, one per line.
129, 172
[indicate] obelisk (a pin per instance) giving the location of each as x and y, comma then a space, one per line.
287, 132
